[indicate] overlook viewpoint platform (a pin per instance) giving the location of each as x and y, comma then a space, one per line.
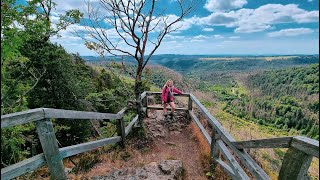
229, 154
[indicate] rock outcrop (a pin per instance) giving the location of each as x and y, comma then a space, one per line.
159, 126
164, 170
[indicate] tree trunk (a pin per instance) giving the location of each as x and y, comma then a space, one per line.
138, 90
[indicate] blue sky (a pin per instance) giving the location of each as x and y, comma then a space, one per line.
225, 27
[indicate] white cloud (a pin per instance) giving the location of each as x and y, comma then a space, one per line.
219, 19
167, 19
307, 17
290, 32
200, 37
63, 5
260, 19
224, 5
218, 36
234, 37
250, 28
208, 29
196, 40
171, 37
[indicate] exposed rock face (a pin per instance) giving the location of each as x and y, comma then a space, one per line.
160, 126
165, 170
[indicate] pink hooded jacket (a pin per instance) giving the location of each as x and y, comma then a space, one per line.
165, 92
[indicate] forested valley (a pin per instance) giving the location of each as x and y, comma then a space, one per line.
287, 99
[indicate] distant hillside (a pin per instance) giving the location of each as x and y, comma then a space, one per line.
244, 64
159, 75
211, 63
286, 98
299, 82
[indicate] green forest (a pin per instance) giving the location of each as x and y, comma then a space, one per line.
286, 98
38, 73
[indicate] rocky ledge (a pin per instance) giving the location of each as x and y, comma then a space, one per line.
164, 170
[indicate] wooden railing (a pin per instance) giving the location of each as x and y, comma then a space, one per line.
53, 155
296, 160
295, 164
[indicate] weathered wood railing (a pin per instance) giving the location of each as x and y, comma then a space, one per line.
294, 166
52, 155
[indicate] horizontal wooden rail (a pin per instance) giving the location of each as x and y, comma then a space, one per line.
131, 124
23, 167
215, 123
23, 117
161, 108
149, 93
70, 114
280, 142
121, 112
80, 148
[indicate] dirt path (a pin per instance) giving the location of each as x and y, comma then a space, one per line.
170, 140
177, 142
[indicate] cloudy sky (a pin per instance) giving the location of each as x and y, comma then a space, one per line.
225, 27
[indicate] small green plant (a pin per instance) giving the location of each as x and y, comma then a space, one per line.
280, 153
183, 173
209, 174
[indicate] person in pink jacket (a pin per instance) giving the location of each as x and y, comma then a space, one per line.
167, 96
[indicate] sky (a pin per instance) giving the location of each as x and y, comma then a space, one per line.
219, 27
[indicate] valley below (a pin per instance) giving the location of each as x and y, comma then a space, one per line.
253, 98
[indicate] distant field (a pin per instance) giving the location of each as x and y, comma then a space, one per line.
267, 58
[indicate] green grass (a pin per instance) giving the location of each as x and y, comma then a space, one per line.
207, 103
279, 152
275, 162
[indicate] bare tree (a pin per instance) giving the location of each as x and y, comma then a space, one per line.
132, 21
134, 28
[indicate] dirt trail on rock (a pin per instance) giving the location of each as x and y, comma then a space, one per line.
174, 140
167, 139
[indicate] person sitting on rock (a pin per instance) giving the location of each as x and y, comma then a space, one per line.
167, 96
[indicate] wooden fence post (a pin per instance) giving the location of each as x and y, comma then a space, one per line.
189, 107
121, 131
214, 153
145, 104
140, 110
295, 165
190, 103
50, 149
